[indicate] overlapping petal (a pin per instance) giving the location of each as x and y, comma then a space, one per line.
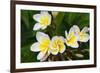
71, 38
34, 47
41, 46
43, 20
57, 45
83, 35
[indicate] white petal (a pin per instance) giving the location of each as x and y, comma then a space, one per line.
63, 49
71, 32
85, 29
66, 33
37, 26
75, 28
79, 55
34, 47
54, 13
45, 57
62, 38
40, 55
54, 51
44, 12
55, 38
36, 17
44, 27
85, 39
77, 37
58, 37
75, 45
49, 18
41, 35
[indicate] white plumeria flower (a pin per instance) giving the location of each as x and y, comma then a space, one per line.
41, 46
57, 45
71, 38
83, 35
43, 20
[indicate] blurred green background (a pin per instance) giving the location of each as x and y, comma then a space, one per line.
63, 21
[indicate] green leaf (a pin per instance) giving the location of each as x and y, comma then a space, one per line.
27, 24
25, 17
80, 19
84, 20
72, 18
59, 18
58, 21
27, 55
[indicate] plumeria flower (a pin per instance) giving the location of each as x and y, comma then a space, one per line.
43, 20
54, 13
71, 38
83, 35
57, 45
41, 46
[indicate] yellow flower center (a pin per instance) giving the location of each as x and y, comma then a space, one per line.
71, 39
58, 44
44, 20
44, 45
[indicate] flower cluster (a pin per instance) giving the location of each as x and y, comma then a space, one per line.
57, 44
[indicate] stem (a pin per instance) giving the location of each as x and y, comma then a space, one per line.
61, 57
69, 54
49, 59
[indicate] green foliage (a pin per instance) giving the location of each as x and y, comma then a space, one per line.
62, 22
27, 55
